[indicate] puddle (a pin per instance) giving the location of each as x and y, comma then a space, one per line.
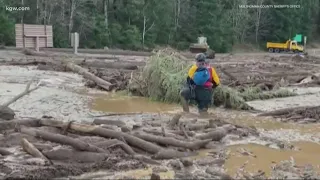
122, 104
308, 153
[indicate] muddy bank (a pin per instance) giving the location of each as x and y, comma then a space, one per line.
58, 96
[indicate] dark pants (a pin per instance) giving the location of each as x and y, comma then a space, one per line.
202, 96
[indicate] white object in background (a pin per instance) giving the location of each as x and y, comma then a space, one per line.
75, 42
202, 40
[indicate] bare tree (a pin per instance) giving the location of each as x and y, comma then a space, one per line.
72, 9
105, 11
145, 30
257, 24
145, 21
177, 13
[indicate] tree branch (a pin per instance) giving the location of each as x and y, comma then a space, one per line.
25, 92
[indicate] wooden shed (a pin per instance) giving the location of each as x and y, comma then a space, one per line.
33, 36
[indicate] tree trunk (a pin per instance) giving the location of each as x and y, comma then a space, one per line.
37, 20
115, 142
72, 9
32, 150
4, 152
137, 142
258, 20
195, 145
105, 11
86, 74
6, 125
109, 122
75, 156
285, 111
215, 135
171, 154
144, 30
65, 140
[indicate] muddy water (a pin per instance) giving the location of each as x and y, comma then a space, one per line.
120, 104
264, 158
308, 153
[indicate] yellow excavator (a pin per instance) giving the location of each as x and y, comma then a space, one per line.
202, 47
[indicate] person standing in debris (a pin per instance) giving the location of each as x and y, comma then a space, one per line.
201, 80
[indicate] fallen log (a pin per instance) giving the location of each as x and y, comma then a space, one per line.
127, 149
215, 135
173, 142
175, 120
197, 127
109, 122
86, 63
115, 142
169, 133
111, 65
285, 111
43, 147
159, 133
21, 62
86, 74
58, 138
118, 114
183, 129
4, 152
109, 127
96, 130
6, 125
171, 154
182, 133
32, 150
76, 156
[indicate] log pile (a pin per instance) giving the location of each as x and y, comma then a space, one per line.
53, 144
97, 73
305, 114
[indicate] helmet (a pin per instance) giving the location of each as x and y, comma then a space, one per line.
200, 57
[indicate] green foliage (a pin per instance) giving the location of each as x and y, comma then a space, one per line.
131, 37
6, 30
60, 39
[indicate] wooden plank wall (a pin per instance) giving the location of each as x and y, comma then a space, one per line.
34, 30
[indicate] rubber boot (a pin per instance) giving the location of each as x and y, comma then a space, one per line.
185, 105
203, 112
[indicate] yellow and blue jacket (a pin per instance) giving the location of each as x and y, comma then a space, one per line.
212, 82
